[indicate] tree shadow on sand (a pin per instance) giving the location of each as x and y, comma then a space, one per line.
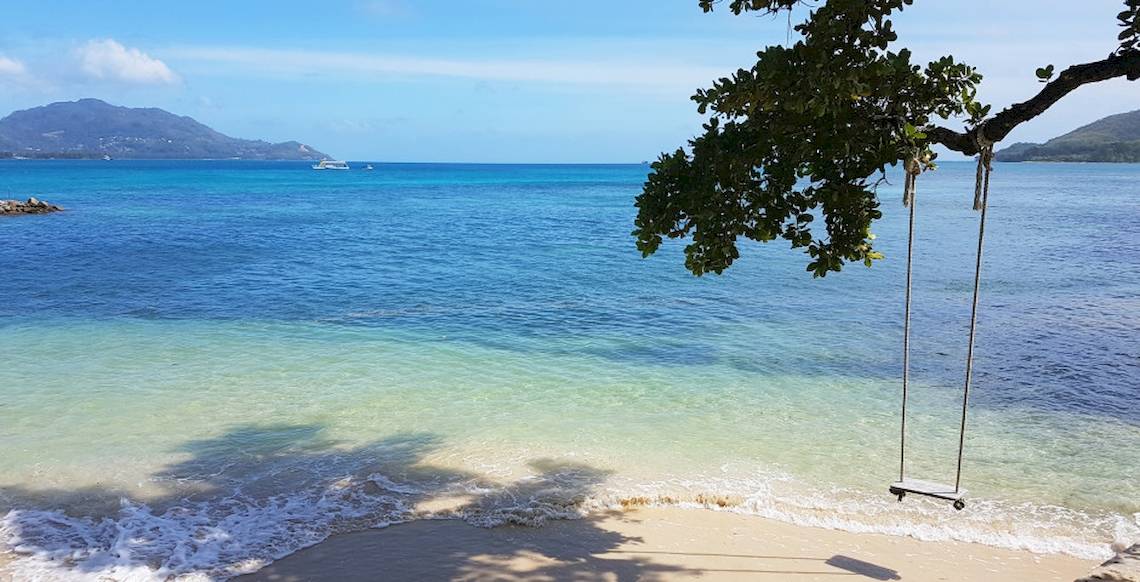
258, 493
496, 539
234, 503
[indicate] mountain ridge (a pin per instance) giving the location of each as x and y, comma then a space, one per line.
1115, 138
92, 128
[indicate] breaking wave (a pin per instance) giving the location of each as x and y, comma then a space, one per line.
239, 533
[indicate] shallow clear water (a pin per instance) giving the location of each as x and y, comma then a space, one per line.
212, 364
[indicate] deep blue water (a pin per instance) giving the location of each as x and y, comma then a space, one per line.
492, 252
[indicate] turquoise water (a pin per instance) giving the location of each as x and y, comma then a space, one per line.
208, 365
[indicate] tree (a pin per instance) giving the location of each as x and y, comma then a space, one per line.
811, 128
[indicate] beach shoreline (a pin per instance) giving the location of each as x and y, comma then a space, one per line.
317, 369
655, 544
441, 537
637, 543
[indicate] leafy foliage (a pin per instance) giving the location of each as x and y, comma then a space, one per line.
805, 136
1129, 20
740, 6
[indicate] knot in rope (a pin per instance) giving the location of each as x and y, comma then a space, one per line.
913, 168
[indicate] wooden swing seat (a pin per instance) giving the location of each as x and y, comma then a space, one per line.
927, 488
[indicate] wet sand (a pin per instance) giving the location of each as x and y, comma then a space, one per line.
656, 544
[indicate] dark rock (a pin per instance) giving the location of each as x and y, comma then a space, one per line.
31, 206
1125, 567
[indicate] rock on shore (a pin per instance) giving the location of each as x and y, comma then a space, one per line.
30, 206
1125, 567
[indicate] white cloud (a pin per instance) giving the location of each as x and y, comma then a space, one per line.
11, 67
107, 59
306, 63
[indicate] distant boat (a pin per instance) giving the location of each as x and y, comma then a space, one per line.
368, 167
106, 157
330, 165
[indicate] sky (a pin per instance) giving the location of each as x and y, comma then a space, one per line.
492, 80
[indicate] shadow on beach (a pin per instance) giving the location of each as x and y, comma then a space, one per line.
258, 493
286, 503
288, 493
585, 549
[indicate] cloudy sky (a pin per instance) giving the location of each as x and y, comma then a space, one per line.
490, 80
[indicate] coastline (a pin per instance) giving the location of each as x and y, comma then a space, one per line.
655, 543
359, 528
521, 386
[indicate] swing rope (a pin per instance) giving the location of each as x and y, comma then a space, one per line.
981, 197
913, 169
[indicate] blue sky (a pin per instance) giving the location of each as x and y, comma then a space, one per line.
490, 80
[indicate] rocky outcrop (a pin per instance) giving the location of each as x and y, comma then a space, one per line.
1125, 567
30, 206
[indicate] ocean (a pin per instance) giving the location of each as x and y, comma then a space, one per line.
209, 365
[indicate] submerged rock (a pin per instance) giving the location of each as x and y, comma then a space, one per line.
31, 206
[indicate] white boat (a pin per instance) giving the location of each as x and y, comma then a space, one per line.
368, 167
106, 158
330, 165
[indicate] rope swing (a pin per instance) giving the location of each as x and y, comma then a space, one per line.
913, 168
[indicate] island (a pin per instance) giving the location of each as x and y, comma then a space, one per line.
1115, 138
94, 129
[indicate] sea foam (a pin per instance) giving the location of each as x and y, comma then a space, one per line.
221, 538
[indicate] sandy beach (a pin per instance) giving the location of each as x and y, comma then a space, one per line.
655, 544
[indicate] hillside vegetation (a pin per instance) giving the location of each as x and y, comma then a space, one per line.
90, 128
1115, 138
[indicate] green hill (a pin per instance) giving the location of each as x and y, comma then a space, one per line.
1115, 138
90, 128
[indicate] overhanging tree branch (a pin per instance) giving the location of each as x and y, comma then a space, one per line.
796, 145
996, 128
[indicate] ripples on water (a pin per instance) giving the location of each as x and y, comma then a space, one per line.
254, 355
